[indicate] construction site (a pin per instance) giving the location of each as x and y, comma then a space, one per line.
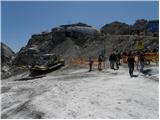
55, 82
80, 60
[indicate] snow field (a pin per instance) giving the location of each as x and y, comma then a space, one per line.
82, 94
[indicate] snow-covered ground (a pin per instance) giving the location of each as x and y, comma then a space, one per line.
77, 93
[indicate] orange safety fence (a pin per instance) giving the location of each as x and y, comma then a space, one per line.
149, 56
83, 61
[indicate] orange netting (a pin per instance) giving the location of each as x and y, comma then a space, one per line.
83, 61
149, 56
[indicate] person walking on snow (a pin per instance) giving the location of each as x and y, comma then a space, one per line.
117, 59
90, 64
100, 62
130, 61
112, 59
137, 60
141, 61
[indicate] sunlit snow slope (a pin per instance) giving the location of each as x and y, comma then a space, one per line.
77, 93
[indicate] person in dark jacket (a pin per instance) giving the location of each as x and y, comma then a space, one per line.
130, 61
100, 59
141, 61
90, 64
117, 59
112, 59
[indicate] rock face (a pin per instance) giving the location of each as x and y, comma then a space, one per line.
116, 28
6, 60
6, 54
140, 25
67, 40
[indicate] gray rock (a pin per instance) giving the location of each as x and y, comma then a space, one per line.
6, 54
116, 28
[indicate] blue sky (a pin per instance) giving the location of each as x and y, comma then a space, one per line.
22, 19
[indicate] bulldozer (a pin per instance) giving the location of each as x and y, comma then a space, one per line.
47, 62
40, 65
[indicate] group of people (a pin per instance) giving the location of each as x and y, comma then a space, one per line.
135, 59
115, 59
101, 59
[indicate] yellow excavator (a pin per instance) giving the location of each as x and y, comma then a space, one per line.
47, 62
44, 64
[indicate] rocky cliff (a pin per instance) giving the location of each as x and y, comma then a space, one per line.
6, 54
116, 28
6, 60
119, 28
68, 40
